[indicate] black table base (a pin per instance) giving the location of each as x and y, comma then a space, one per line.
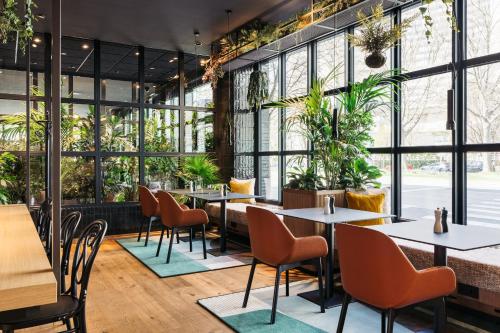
313, 296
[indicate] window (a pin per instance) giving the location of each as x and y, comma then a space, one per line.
293, 164
13, 82
78, 126
120, 178
483, 104
271, 67
269, 134
200, 96
426, 184
12, 125
244, 132
244, 167
269, 175
296, 79
424, 111
294, 139
199, 136
119, 128
483, 188
483, 27
77, 87
331, 56
78, 180
161, 171
161, 130
162, 77
416, 51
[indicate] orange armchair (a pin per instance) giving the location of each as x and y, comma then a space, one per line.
273, 244
385, 279
150, 210
177, 216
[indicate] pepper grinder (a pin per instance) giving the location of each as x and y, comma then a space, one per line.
444, 218
438, 227
332, 205
326, 205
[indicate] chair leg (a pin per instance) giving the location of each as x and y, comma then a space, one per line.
383, 321
67, 322
275, 296
161, 240
391, 316
170, 245
287, 284
343, 312
249, 283
319, 268
149, 231
177, 232
140, 230
204, 242
168, 232
190, 239
83, 323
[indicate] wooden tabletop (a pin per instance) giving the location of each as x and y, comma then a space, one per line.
458, 237
342, 215
26, 277
214, 195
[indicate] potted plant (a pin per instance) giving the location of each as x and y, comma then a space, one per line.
377, 35
200, 169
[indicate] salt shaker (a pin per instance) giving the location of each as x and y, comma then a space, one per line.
438, 227
326, 205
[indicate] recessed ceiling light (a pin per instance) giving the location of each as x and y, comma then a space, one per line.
85, 46
137, 85
137, 53
34, 45
63, 53
176, 76
1, 72
152, 68
37, 40
40, 16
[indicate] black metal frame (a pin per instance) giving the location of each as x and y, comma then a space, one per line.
459, 147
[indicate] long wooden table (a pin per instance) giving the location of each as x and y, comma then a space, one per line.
26, 277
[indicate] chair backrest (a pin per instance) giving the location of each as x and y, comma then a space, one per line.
170, 210
373, 268
68, 229
149, 204
86, 250
270, 238
43, 218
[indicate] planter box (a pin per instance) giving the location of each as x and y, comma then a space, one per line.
293, 199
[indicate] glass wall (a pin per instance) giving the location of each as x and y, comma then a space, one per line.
424, 164
123, 121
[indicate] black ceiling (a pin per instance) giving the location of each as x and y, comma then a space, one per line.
161, 24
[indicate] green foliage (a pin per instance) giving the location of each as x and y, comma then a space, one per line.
158, 135
120, 179
199, 168
304, 179
429, 22
9, 167
11, 23
360, 174
258, 89
77, 175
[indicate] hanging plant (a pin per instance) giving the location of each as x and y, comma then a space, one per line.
428, 21
377, 35
258, 89
11, 23
213, 71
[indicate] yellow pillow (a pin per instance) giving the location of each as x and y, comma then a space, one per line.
243, 186
368, 202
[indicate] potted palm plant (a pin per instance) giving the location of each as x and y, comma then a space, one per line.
200, 169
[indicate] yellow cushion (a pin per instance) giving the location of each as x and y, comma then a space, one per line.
368, 202
243, 186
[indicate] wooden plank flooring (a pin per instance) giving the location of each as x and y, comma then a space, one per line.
125, 296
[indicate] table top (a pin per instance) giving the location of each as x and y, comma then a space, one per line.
214, 195
458, 237
342, 215
26, 277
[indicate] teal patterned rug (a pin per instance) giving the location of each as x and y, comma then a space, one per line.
181, 260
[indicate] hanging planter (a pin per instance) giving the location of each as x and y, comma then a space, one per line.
258, 89
377, 35
14, 27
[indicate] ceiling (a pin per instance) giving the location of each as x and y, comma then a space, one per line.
161, 24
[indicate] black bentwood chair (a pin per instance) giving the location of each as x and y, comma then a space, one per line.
68, 229
71, 304
43, 224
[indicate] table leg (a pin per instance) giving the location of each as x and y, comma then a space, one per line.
223, 222
440, 259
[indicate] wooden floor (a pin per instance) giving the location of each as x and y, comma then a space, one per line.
125, 296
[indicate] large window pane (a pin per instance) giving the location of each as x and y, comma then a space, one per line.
331, 54
199, 131
271, 67
419, 53
12, 125
426, 184
161, 130
424, 111
197, 92
161, 171
78, 180
483, 189
382, 129
119, 128
296, 72
294, 140
269, 134
77, 87
244, 167
244, 132
294, 163
13, 178
78, 127
37, 179
120, 91
483, 104
13, 82
269, 173
240, 89
384, 163
483, 27
120, 178
162, 77
200, 96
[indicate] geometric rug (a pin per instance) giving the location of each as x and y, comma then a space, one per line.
181, 260
294, 313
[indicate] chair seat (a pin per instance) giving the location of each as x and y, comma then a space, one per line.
65, 307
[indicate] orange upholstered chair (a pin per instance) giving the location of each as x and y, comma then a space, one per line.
150, 210
385, 279
274, 245
177, 217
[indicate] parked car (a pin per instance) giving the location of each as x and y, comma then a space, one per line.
436, 167
474, 166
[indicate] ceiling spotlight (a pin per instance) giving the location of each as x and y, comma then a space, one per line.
34, 45
175, 77
137, 53
85, 46
137, 85
152, 68
40, 16
63, 53
37, 40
